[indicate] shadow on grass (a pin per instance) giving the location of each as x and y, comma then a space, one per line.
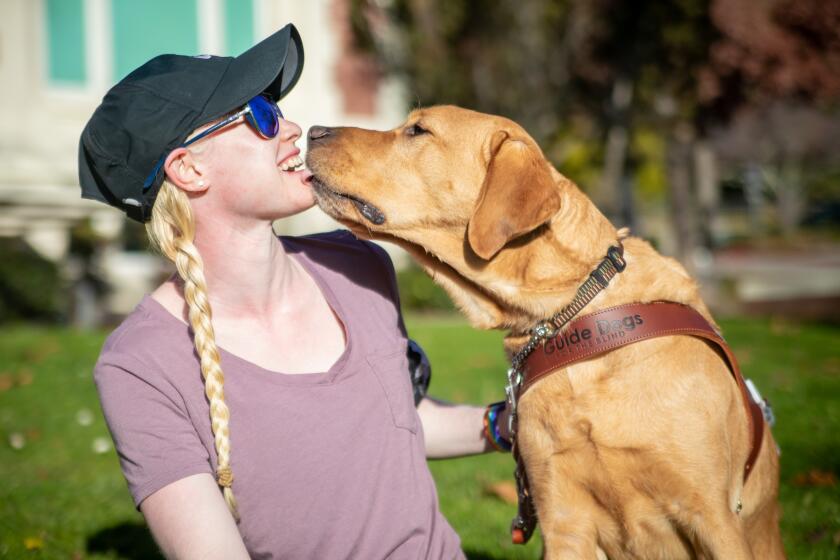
131, 541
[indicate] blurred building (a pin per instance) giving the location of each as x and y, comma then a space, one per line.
57, 59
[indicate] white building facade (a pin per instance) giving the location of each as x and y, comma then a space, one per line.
59, 57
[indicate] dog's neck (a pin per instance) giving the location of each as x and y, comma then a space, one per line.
537, 275
530, 279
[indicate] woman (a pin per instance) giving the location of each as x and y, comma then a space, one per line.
281, 361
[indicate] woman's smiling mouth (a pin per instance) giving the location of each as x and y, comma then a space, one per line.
291, 163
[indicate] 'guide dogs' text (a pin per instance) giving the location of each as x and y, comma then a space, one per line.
583, 338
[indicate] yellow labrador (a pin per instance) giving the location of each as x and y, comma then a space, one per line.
638, 453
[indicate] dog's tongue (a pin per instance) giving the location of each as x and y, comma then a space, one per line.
370, 212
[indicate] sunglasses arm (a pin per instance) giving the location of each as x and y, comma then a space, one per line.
216, 127
151, 178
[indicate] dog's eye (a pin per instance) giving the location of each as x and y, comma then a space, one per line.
415, 130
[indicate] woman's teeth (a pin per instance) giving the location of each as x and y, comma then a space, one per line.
291, 163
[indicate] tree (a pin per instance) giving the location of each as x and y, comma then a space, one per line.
587, 77
776, 71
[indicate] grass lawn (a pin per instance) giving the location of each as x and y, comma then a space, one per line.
62, 494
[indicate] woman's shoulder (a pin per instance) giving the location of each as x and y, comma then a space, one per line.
338, 247
350, 266
144, 337
340, 239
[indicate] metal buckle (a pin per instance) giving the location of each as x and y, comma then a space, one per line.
544, 330
514, 381
522, 526
617, 258
763, 404
519, 530
767, 411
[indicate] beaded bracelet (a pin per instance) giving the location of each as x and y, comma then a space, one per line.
491, 427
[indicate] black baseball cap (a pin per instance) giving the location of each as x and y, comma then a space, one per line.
155, 108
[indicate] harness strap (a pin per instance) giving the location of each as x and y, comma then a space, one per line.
600, 332
608, 329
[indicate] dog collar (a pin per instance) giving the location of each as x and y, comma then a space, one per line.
526, 519
597, 281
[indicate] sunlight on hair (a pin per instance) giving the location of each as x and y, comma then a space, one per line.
171, 231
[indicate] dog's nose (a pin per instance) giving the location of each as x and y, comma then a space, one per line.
319, 132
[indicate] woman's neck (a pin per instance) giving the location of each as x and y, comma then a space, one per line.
246, 268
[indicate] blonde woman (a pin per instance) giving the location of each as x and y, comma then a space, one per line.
259, 400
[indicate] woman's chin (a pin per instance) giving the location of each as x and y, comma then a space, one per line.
299, 200
307, 195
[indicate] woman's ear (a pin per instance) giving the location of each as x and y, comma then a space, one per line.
184, 171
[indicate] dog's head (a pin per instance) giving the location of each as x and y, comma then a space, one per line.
477, 177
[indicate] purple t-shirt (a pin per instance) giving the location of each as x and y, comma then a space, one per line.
326, 465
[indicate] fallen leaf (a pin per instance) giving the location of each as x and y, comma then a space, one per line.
780, 326
33, 543
816, 477
481, 361
45, 349
25, 377
6, 382
504, 490
744, 356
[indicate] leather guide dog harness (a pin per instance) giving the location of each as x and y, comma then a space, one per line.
601, 332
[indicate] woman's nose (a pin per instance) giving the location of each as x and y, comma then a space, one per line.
289, 131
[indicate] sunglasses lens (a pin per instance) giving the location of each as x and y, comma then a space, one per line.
264, 116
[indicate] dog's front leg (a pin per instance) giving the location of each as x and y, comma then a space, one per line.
724, 535
556, 453
568, 516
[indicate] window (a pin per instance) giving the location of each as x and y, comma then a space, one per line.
95, 43
145, 29
239, 26
66, 42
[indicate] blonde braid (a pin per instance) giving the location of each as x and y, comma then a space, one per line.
172, 230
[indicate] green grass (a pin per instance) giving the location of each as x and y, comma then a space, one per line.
61, 499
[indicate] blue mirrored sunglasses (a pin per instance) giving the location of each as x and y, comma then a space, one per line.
261, 113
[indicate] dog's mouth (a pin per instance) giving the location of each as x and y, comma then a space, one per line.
327, 197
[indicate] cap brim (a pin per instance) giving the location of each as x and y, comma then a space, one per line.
273, 65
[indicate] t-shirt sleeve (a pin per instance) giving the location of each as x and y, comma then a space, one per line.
155, 439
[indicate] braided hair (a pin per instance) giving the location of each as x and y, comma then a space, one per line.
172, 231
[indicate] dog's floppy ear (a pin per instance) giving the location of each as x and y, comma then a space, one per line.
518, 195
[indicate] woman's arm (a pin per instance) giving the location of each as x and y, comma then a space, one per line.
455, 430
190, 519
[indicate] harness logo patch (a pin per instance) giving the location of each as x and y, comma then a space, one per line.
619, 325
605, 331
